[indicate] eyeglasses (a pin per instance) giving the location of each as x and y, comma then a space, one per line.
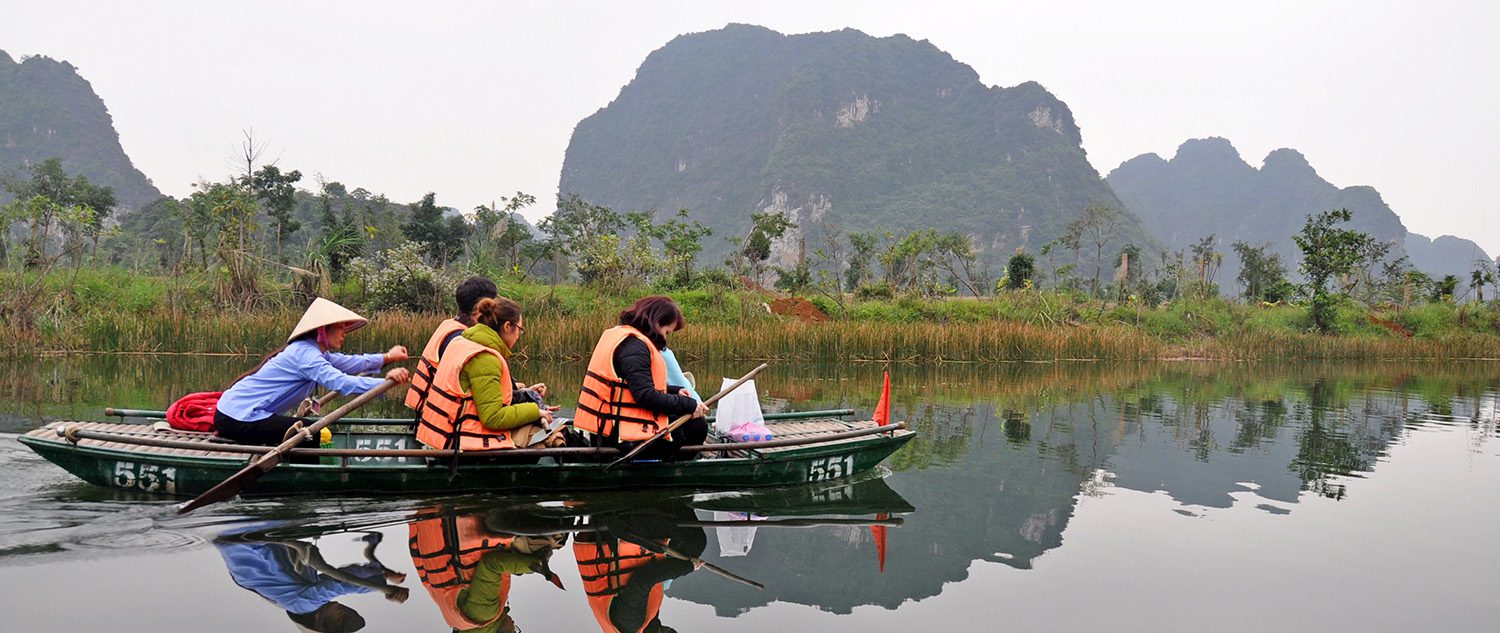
520, 329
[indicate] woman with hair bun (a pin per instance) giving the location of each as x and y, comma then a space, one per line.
470, 405
625, 397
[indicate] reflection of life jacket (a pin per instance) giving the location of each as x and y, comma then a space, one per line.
427, 366
449, 413
605, 569
605, 406
445, 551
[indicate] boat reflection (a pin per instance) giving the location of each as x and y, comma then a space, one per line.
293, 575
472, 555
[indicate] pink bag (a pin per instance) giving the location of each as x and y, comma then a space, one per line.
753, 431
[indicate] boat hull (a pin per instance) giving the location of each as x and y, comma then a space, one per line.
186, 475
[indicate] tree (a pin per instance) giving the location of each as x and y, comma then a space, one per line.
1442, 290
954, 253
578, 230
1262, 276
681, 241
1062, 273
228, 212
41, 214
1096, 227
1328, 252
1483, 273
1019, 271
339, 241
1206, 260
862, 253
73, 205
765, 229
439, 238
1128, 270
275, 189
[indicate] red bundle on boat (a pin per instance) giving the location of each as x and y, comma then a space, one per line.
194, 412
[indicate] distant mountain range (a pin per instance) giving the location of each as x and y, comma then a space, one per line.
1207, 189
48, 111
838, 130
842, 132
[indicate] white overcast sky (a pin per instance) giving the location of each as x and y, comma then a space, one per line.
475, 100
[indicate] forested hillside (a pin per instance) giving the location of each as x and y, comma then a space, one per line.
48, 111
841, 132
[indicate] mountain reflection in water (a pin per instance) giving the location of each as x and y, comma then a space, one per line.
1136, 467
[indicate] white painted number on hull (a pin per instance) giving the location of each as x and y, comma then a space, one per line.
147, 477
830, 468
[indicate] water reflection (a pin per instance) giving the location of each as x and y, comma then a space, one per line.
472, 555
293, 575
1014, 469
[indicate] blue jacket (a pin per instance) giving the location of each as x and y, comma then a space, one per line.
290, 376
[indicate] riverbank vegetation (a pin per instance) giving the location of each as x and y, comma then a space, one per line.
220, 272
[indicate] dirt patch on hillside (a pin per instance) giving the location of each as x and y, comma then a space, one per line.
803, 309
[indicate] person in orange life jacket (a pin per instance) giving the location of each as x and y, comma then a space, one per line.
253, 410
624, 574
293, 576
625, 397
468, 567
466, 295
471, 404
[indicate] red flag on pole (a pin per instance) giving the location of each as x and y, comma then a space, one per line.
879, 532
883, 409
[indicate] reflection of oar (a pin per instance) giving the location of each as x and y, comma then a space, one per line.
263, 464
711, 567
794, 523
697, 562
316, 561
685, 417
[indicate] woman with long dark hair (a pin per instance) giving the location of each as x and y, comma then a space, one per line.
253, 409
625, 397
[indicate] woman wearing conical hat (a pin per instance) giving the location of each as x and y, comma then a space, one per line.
254, 409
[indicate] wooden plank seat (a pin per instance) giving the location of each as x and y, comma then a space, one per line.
138, 430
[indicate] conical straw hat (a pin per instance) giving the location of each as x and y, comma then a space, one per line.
324, 312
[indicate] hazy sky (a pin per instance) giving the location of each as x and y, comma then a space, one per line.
475, 100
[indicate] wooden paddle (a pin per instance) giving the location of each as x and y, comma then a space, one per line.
260, 465
685, 417
308, 404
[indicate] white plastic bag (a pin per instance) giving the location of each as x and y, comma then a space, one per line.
734, 540
738, 406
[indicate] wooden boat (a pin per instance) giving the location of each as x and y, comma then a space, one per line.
374, 455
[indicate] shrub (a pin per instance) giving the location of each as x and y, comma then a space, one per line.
871, 292
398, 279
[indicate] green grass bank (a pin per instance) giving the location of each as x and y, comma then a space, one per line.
113, 310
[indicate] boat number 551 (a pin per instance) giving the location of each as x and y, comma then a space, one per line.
830, 468
147, 477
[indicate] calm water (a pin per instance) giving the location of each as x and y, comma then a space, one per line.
1088, 497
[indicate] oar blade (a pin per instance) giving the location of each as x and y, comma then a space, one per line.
234, 485
241, 480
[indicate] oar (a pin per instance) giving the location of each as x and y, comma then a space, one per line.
247, 475
685, 417
307, 404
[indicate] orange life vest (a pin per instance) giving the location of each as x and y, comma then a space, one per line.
605, 406
445, 551
606, 567
427, 366
448, 418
